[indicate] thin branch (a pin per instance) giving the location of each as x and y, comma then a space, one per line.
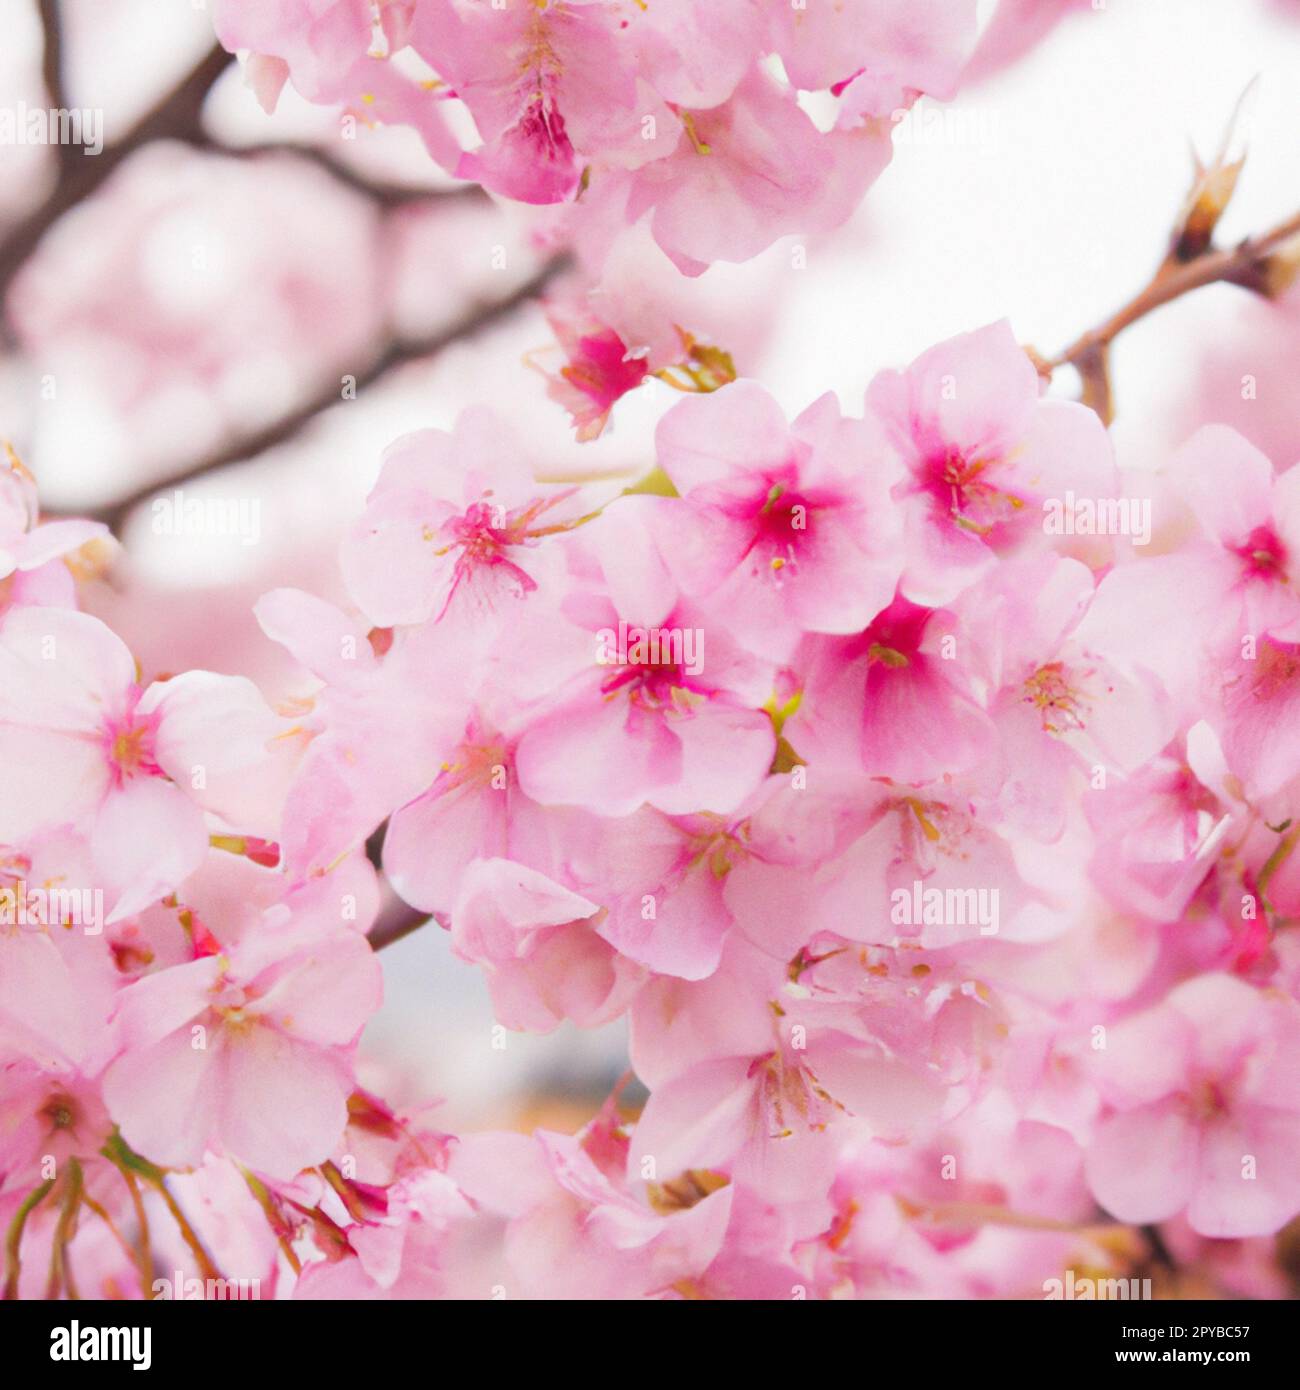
1246, 265
61, 1276
375, 845
189, 1235
400, 919
14, 1237
143, 1244
394, 925
174, 117
1093, 366
1159, 1249
52, 55
384, 193
1239, 265
975, 1214
396, 353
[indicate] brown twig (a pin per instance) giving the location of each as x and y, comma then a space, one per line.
52, 58
1245, 264
394, 925
399, 919
395, 353
1160, 1252
384, 193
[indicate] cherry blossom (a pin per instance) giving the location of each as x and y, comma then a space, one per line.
1205, 1075
931, 864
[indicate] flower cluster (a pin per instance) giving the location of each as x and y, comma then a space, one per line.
691, 117
664, 137
920, 786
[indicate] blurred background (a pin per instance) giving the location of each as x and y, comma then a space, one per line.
188, 307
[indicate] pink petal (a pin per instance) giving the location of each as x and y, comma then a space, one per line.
1142, 1166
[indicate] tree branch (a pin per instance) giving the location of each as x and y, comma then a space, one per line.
384, 193
394, 925
397, 352
1159, 1249
1246, 265
52, 56
174, 117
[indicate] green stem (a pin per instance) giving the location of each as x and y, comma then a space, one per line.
188, 1234
121, 1154
1281, 853
60, 1269
280, 1228
14, 1236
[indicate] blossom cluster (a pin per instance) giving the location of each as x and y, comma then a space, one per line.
927, 811
662, 137
689, 116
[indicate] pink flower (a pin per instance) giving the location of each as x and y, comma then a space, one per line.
925, 867
46, 1114
659, 313
26, 545
311, 40
676, 886
894, 701
1259, 724
422, 1246
1234, 578
1205, 1098
772, 1118
247, 1053
599, 369
548, 85
327, 48
578, 1227
135, 768
749, 171
915, 47
983, 453
54, 987
1063, 707
454, 519
795, 528
1252, 518
568, 96
696, 55
1218, 619
371, 739
474, 809
1160, 830
644, 709
544, 959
